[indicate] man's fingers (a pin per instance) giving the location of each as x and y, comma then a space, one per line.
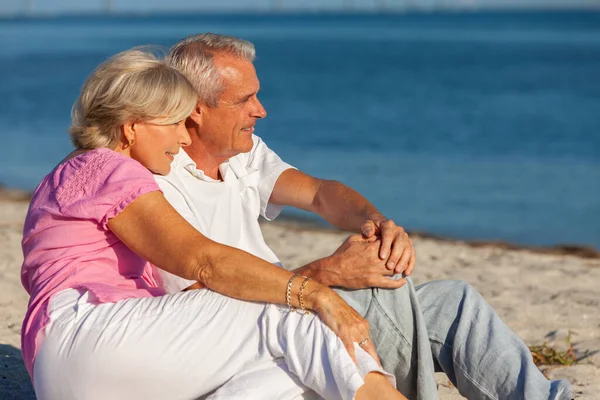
389, 283
368, 229
371, 239
404, 260
408, 257
361, 239
383, 271
411, 264
387, 238
396, 256
354, 238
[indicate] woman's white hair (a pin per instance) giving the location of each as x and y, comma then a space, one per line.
193, 56
134, 85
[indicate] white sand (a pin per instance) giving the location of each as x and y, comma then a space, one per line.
541, 296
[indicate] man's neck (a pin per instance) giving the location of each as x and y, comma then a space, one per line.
204, 160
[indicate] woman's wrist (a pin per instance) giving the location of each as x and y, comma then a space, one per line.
316, 295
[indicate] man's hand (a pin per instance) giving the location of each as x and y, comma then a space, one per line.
347, 209
396, 247
356, 265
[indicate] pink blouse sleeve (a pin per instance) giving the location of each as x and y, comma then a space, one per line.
100, 184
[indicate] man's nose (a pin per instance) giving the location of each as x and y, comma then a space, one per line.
258, 111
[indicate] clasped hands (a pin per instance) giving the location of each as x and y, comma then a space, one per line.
369, 260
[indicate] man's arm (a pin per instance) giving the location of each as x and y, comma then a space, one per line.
347, 209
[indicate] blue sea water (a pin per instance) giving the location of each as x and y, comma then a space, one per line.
475, 126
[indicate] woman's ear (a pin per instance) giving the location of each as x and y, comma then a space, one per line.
129, 129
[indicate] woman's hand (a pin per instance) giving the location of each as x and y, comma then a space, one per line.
342, 319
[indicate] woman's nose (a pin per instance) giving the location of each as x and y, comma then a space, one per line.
184, 136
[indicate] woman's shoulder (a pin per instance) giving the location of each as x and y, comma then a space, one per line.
94, 185
95, 162
93, 173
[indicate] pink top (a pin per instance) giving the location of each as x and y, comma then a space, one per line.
67, 244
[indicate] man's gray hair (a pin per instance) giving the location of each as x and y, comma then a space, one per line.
193, 56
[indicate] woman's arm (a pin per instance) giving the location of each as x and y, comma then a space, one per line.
152, 228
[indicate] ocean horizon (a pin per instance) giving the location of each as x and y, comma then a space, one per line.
475, 126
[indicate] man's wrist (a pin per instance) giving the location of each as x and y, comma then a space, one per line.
317, 270
376, 217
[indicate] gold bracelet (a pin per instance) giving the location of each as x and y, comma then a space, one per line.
301, 297
288, 293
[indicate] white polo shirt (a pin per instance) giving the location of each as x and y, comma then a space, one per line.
225, 211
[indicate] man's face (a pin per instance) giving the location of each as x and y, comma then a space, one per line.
226, 130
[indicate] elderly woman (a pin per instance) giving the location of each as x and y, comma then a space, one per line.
98, 327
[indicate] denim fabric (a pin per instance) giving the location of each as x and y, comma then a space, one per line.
446, 326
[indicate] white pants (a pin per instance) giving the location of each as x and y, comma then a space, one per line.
189, 345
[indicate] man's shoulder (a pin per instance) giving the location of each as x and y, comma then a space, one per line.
259, 151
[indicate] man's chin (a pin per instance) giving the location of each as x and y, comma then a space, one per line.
246, 147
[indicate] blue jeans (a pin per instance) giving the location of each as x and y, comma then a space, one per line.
446, 326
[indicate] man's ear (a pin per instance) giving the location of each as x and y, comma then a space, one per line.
197, 114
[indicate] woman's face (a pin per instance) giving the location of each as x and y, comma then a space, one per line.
156, 144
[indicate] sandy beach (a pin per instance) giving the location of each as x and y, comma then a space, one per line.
543, 297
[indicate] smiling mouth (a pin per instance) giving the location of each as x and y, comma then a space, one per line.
249, 130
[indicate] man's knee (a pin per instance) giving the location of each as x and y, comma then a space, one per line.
448, 294
445, 287
456, 287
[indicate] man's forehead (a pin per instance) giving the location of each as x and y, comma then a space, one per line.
230, 66
237, 73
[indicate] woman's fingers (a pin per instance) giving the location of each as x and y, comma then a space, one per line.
349, 326
349, 344
369, 347
362, 337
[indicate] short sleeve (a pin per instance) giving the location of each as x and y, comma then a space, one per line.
269, 166
99, 184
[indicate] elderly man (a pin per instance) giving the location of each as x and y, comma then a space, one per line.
228, 176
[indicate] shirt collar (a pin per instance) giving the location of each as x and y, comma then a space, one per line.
184, 161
